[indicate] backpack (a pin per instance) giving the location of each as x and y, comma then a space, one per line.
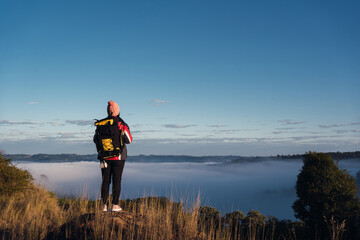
108, 138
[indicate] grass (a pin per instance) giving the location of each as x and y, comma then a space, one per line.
38, 214
29, 214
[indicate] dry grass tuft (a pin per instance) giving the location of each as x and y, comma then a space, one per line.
29, 214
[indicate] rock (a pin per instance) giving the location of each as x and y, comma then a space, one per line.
99, 225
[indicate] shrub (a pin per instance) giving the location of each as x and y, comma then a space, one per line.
12, 179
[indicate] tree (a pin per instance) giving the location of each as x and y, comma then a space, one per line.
209, 218
358, 180
234, 217
255, 221
325, 191
233, 223
209, 214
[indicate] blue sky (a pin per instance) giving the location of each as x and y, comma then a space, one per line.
191, 77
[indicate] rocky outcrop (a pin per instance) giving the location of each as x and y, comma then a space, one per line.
101, 225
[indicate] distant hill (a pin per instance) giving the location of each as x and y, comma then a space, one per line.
47, 158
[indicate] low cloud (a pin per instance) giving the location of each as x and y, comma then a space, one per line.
265, 141
187, 135
7, 122
33, 103
217, 126
230, 131
286, 128
211, 140
263, 146
158, 102
68, 135
52, 123
341, 131
278, 132
55, 124
179, 126
331, 125
309, 138
291, 122
80, 122
338, 125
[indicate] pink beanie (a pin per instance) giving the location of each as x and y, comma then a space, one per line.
113, 109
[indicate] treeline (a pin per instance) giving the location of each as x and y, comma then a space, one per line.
334, 155
47, 158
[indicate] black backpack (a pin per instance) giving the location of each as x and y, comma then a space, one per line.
108, 138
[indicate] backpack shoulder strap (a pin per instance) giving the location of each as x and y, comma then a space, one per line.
106, 121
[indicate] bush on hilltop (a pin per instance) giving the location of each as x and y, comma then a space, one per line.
12, 179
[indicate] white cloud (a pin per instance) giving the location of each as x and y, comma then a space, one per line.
338, 125
158, 102
68, 142
7, 122
80, 122
55, 124
230, 131
178, 125
33, 103
217, 126
291, 122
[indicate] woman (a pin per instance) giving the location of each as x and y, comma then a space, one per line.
112, 162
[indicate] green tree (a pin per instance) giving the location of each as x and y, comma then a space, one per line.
209, 214
209, 218
325, 191
255, 222
234, 217
233, 223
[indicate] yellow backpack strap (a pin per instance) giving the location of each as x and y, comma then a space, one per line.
105, 122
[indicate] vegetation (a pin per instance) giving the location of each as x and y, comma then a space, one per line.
30, 212
327, 198
165, 158
334, 155
26, 211
12, 179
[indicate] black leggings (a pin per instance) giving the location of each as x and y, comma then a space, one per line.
114, 169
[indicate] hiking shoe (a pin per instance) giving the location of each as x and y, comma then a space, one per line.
116, 208
105, 208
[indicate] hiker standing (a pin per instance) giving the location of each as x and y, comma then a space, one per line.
111, 136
